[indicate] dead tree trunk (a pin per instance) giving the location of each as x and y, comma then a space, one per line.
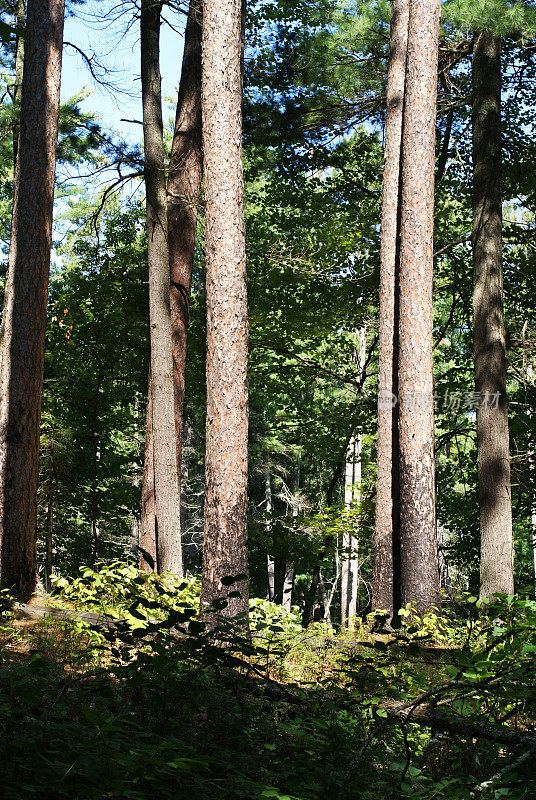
24, 320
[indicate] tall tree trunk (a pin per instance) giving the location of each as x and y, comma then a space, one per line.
183, 197
147, 543
418, 557
225, 551
23, 343
494, 491
387, 527
167, 498
20, 21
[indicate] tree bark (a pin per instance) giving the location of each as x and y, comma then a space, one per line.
167, 498
24, 320
493, 451
225, 551
387, 526
418, 556
183, 197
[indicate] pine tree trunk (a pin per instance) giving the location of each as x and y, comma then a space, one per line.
225, 551
183, 197
23, 343
167, 498
147, 543
494, 491
418, 561
387, 527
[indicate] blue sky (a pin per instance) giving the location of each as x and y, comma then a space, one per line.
91, 31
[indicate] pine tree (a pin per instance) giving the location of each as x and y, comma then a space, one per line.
405, 569
184, 191
225, 551
166, 494
418, 546
23, 342
387, 526
493, 452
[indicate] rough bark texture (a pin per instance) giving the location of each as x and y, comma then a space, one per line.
183, 196
496, 542
225, 551
167, 498
24, 320
386, 534
147, 543
418, 547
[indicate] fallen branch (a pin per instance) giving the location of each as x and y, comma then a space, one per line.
24, 611
433, 717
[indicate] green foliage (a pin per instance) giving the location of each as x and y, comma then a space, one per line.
307, 720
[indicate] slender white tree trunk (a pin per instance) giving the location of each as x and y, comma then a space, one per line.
352, 495
528, 375
288, 582
270, 563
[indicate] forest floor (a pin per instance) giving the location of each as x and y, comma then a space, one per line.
437, 709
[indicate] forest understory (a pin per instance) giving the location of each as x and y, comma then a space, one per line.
123, 707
